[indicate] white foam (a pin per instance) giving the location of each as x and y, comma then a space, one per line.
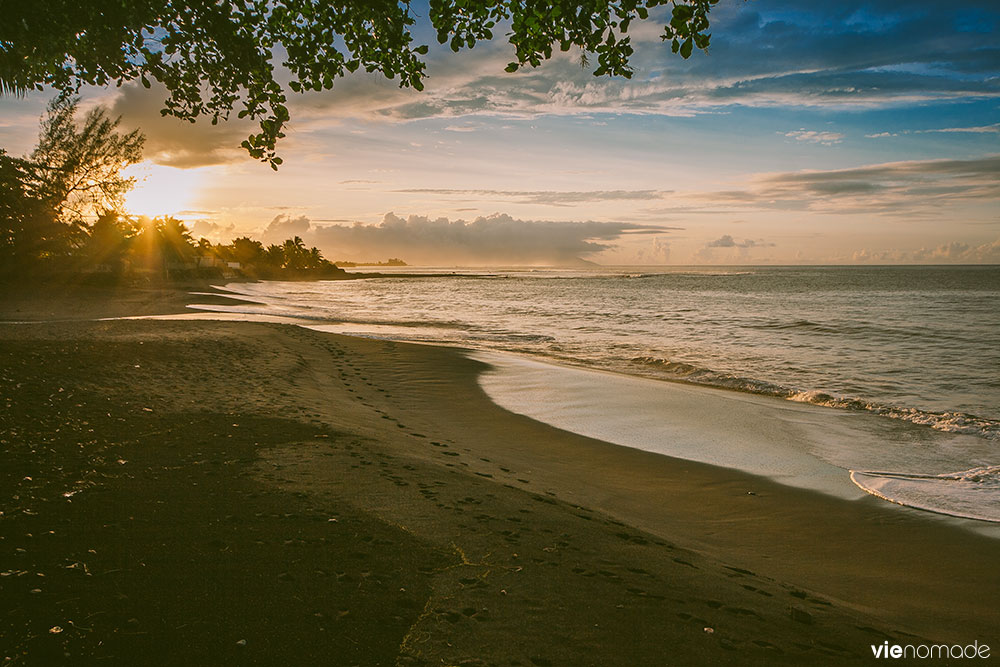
798, 444
215, 316
756, 434
970, 494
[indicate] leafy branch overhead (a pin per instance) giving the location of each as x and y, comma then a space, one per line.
216, 57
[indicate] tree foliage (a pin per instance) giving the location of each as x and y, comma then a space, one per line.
61, 216
73, 175
290, 258
214, 57
29, 229
109, 241
78, 167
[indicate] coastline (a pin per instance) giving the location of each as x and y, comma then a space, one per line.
493, 525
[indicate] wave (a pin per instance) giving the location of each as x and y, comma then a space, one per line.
862, 329
704, 274
951, 422
326, 316
969, 494
453, 331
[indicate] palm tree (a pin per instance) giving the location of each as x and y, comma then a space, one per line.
110, 238
296, 255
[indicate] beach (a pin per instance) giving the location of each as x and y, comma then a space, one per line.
208, 492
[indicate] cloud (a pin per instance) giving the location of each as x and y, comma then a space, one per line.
656, 250
731, 249
727, 241
213, 231
985, 167
822, 55
898, 188
960, 252
963, 190
954, 252
545, 197
284, 227
983, 129
915, 188
176, 143
491, 240
191, 212
873, 55
661, 250
814, 137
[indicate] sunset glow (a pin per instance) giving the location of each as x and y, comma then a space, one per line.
163, 190
808, 134
499, 333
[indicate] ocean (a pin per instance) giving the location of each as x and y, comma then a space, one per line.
912, 354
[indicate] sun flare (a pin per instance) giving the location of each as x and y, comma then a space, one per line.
162, 190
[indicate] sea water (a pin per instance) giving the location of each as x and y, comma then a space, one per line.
915, 351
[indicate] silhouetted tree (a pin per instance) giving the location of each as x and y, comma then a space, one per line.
228, 49
296, 255
78, 167
274, 257
247, 251
163, 247
30, 232
74, 173
316, 260
175, 239
109, 241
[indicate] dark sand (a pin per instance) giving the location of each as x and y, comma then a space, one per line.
78, 301
230, 493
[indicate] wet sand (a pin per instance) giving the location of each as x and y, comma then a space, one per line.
79, 301
229, 492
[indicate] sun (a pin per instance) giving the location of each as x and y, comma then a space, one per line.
162, 190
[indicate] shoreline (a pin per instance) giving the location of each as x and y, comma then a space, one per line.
793, 443
476, 508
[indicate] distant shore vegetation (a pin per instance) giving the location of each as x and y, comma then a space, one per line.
392, 261
62, 217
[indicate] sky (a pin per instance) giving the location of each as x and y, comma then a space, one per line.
810, 133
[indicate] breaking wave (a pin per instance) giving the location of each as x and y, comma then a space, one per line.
951, 422
970, 494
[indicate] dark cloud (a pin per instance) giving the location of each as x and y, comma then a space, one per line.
917, 187
912, 188
844, 187
176, 143
494, 239
987, 168
546, 197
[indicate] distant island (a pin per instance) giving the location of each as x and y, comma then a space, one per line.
392, 261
